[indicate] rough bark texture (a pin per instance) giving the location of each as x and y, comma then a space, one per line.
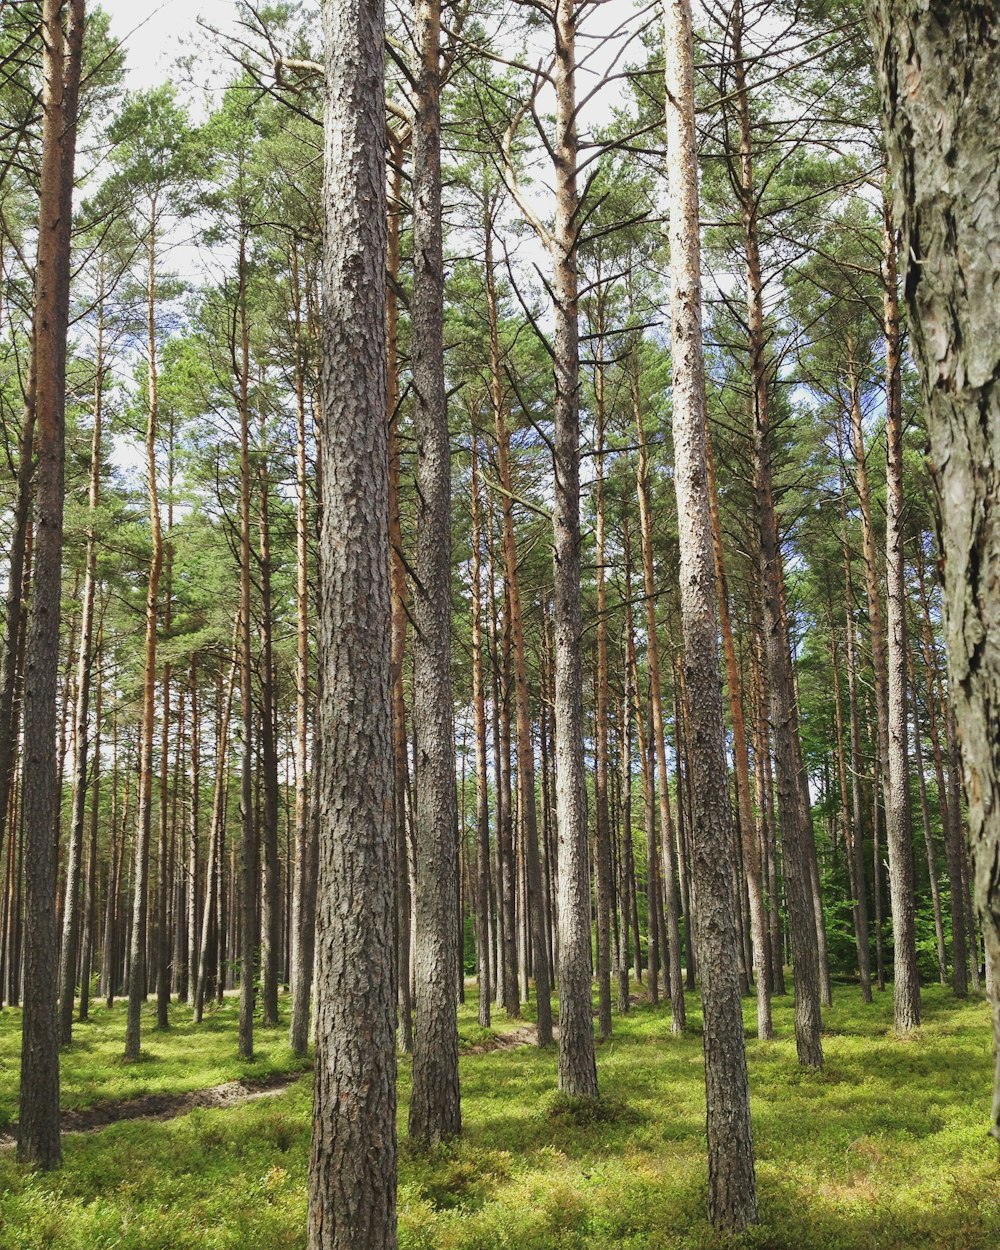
938, 67
435, 1110
577, 1062
352, 1172
732, 1196
38, 1125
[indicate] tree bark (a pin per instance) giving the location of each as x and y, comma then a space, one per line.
732, 1196
38, 1124
352, 1171
435, 1108
938, 66
577, 1061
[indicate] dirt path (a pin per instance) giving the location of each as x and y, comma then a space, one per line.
230, 1094
166, 1106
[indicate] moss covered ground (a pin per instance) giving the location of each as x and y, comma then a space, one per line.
886, 1148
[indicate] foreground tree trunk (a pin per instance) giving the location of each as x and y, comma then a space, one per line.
352, 1171
938, 67
577, 1061
435, 1108
732, 1195
38, 1125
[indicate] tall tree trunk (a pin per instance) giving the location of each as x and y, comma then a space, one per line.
929, 847
898, 830
248, 828
84, 671
303, 916
796, 824
194, 901
435, 1108
400, 619
603, 878
732, 1196
577, 1061
748, 832
270, 945
38, 1125
352, 1172
526, 789
89, 935
938, 68
672, 952
144, 800
482, 763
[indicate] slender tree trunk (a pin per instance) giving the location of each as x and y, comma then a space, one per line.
577, 1062
482, 763
672, 952
194, 837
925, 814
270, 946
38, 1125
732, 1197
144, 801
898, 833
751, 859
248, 829
84, 671
603, 879
303, 916
435, 1109
352, 1172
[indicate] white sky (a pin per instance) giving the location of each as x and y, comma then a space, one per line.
154, 32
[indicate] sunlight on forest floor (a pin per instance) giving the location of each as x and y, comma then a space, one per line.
884, 1150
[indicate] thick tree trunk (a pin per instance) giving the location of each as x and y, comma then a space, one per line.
435, 1109
352, 1172
732, 1197
938, 66
38, 1125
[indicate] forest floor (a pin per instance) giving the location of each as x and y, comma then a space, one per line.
883, 1150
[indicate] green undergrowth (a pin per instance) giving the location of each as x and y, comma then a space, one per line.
885, 1149
177, 1060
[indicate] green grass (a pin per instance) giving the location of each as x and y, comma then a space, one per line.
184, 1057
883, 1150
